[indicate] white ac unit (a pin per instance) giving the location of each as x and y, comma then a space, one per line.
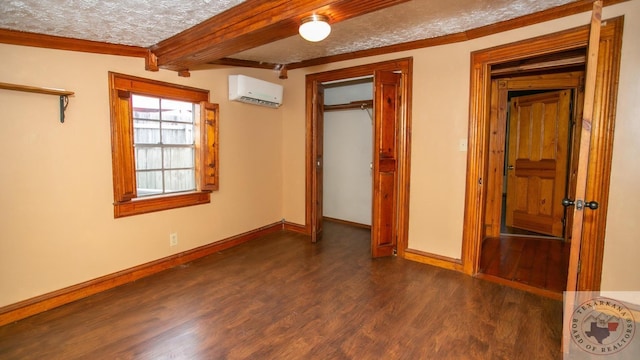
254, 91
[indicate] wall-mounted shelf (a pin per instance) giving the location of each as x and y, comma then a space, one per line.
360, 104
63, 94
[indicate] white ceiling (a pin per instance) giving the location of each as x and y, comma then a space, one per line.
146, 22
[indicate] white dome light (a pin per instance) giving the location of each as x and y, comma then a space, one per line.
315, 28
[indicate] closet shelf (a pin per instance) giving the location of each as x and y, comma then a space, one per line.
63, 94
360, 104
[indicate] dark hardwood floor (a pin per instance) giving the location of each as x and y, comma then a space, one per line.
538, 262
282, 297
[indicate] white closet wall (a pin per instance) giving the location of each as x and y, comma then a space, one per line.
347, 192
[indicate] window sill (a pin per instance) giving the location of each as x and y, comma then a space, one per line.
147, 205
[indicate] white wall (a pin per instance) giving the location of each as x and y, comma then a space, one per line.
348, 144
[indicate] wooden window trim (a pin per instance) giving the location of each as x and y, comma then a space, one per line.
126, 202
166, 202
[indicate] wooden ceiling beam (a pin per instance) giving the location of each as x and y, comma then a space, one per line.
251, 24
246, 63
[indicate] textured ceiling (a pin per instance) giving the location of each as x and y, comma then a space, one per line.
128, 22
414, 20
146, 22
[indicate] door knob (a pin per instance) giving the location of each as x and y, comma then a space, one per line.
510, 167
592, 205
580, 204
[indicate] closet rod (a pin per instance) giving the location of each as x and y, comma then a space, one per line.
362, 104
63, 94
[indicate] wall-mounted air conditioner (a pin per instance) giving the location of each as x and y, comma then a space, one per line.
254, 91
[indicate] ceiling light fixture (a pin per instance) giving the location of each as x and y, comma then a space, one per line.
315, 28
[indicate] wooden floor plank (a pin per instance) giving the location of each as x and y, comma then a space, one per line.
538, 262
282, 297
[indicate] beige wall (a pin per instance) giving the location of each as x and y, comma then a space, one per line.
55, 179
439, 120
621, 269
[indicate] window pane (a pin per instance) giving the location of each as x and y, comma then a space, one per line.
179, 180
148, 158
173, 110
178, 157
175, 133
146, 132
149, 182
164, 145
145, 107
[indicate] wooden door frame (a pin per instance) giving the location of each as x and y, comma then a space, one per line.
403, 66
601, 141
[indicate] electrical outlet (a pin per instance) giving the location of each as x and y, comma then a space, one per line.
173, 239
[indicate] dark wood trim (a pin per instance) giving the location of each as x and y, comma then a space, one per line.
140, 85
26, 308
577, 60
246, 63
143, 205
297, 228
601, 154
584, 148
405, 65
527, 20
62, 43
601, 141
345, 222
433, 259
518, 285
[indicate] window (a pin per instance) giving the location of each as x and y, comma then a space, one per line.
164, 145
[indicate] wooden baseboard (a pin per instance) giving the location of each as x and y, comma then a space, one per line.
29, 307
296, 228
350, 223
433, 259
516, 285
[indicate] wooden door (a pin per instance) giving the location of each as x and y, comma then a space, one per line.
318, 152
537, 162
385, 163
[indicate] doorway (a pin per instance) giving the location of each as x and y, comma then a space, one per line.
391, 158
533, 119
348, 149
481, 204
536, 165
